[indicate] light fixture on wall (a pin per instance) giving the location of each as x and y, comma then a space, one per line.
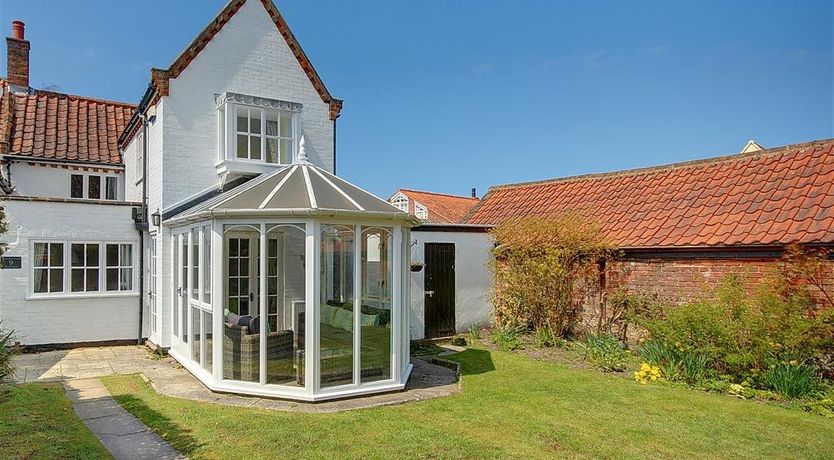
155, 219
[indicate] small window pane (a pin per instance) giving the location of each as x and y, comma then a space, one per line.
76, 186
56, 254
112, 255
126, 281
272, 155
112, 279
242, 146
40, 259
286, 125
56, 280
92, 279
255, 121
77, 281
286, 151
94, 187
111, 187
40, 280
272, 123
92, 255
255, 147
242, 121
125, 254
77, 255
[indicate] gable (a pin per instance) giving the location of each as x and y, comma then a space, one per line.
160, 77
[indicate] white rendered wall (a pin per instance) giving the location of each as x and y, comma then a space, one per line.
65, 320
473, 280
53, 181
247, 56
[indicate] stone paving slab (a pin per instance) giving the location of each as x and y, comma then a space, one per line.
82, 366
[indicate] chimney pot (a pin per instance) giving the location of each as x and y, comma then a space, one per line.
17, 56
474, 192
18, 30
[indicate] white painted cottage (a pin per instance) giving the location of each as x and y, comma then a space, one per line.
207, 220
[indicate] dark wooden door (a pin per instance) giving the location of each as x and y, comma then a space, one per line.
440, 289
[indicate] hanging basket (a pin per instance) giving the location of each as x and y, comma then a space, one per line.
416, 266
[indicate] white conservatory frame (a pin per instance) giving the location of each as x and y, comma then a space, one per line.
182, 351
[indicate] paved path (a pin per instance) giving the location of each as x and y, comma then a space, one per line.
120, 432
168, 378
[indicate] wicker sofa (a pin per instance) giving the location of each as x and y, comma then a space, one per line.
241, 357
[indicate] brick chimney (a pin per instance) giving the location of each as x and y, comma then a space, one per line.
18, 55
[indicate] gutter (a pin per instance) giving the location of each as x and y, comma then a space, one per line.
292, 212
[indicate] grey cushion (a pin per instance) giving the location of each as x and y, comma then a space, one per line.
232, 318
244, 320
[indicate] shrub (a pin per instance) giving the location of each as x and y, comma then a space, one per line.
824, 407
605, 352
543, 338
544, 268
6, 353
791, 380
507, 338
475, 331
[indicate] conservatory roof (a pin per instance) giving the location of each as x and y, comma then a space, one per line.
300, 189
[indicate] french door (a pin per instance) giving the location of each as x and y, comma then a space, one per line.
243, 277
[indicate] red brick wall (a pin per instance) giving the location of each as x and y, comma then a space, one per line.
684, 280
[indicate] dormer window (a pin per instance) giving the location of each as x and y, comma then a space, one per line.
401, 202
420, 211
256, 133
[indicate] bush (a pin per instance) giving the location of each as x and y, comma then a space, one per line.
507, 338
544, 268
605, 352
791, 380
543, 338
736, 335
6, 353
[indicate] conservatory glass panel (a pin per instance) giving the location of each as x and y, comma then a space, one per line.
336, 305
375, 318
241, 322
285, 297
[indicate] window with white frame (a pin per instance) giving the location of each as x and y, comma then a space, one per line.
119, 267
93, 186
400, 202
263, 134
421, 211
84, 263
81, 268
48, 265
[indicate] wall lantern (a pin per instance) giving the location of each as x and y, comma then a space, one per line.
155, 219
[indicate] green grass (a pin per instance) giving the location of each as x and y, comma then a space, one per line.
511, 407
37, 422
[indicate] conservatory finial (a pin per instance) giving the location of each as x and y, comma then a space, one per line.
301, 158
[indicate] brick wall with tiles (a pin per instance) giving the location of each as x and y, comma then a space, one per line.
691, 279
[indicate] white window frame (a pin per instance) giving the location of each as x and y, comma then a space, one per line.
85, 186
262, 136
398, 200
67, 267
48, 267
421, 212
121, 266
84, 267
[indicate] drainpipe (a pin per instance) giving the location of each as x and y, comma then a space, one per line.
334, 146
142, 225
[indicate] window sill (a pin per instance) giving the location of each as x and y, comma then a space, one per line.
82, 295
247, 167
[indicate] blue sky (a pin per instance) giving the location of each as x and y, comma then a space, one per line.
449, 95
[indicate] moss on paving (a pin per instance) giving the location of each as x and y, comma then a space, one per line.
511, 407
37, 422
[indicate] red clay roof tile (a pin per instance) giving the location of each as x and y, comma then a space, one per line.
775, 196
451, 209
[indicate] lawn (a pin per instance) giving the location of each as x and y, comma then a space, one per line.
37, 421
512, 406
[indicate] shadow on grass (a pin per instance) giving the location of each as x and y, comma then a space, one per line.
179, 438
474, 361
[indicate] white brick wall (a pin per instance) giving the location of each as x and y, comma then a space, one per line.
64, 320
51, 181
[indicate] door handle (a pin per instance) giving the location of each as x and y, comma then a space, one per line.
179, 290
430, 293
251, 297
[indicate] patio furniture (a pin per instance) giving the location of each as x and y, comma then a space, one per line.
241, 351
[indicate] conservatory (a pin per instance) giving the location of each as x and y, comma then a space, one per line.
292, 285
